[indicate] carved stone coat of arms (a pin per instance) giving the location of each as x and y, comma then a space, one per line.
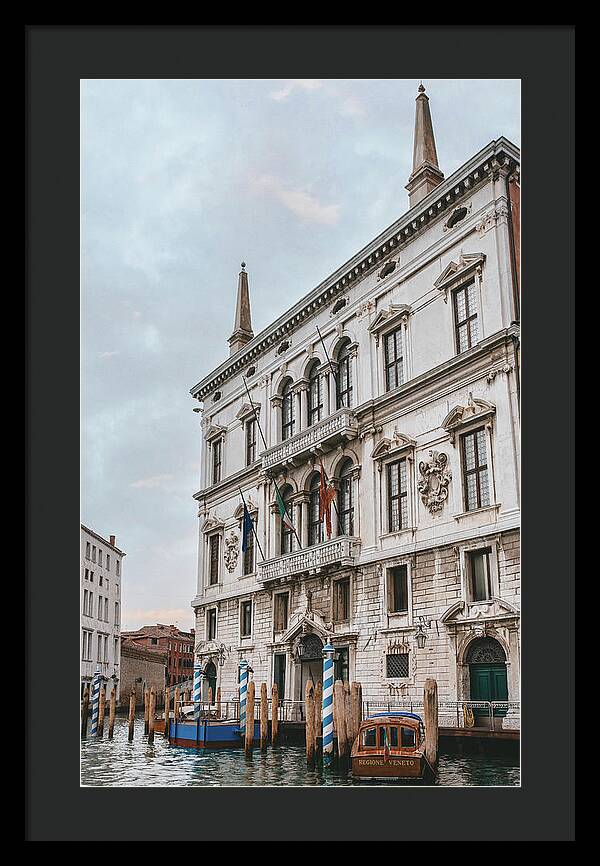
232, 550
435, 478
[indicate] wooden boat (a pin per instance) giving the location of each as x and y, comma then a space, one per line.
206, 732
390, 746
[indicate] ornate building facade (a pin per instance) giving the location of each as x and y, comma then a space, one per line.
410, 401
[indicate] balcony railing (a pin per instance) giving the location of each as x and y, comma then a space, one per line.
328, 432
340, 551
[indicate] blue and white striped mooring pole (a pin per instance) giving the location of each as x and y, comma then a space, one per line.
327, 713
197, 690
243, 693
96, 681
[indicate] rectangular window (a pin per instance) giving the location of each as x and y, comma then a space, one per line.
211, 624
397, 496
105, 645
341, 665
250, 441
87, 574
246, 619
248, 561
99, 649
118, 568
217, 452
465, 317
100, 556
99, 614
87, 550
475, 470
105, 610
85, 601
398, 589
108, 562
396, 665
91, 576
480, 584
93, 553
369, 738
116, 613
341, 600
90, 610
394, 362
116, 656
214, 560
100, 580
280, 613
279, 674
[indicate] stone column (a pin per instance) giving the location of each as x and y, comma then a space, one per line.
303, 414
275, 420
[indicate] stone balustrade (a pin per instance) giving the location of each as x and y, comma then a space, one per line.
340, 551
326, 433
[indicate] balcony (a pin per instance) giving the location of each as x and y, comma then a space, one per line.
320, 437
340, 551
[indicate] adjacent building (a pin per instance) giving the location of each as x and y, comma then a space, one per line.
101, 574
141, 668
176, 645
410, 403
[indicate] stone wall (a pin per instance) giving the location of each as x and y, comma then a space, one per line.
146, 666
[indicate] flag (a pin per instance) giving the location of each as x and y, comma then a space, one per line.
287, 520
386, 745
247, 529
326, 497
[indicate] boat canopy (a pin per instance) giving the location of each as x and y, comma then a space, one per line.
398, 713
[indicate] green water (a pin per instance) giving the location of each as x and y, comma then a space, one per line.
122, 764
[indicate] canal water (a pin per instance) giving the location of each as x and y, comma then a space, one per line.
119, 763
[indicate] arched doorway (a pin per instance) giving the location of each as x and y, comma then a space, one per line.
487, 672
310, 654
210, 681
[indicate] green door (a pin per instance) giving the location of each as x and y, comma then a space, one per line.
488, 683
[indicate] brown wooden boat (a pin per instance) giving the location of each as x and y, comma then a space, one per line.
390, 746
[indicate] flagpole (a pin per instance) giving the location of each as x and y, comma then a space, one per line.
262, 436
253, 527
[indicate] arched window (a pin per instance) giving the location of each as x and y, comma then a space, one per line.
346, 500
344, 376
315, 394
287, 411
315, 526
287, 534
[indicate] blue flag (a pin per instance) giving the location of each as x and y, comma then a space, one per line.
248, 528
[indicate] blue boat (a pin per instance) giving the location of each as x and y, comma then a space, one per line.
208, 733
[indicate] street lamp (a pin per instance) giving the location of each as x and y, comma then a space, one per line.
420, 634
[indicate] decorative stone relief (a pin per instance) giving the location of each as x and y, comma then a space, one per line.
232, 550
366, 309
491, 218
435, 478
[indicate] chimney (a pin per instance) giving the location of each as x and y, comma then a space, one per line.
426, 174
242, 329
112, 540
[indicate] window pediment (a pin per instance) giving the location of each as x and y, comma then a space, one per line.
248, 410
239, 511
389, 317
455, 272
388, 447
212, 523
214, 432
458, 417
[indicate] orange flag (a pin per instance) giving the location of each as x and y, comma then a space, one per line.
326, 497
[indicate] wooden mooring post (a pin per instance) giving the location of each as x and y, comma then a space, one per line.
85, 709
146, 708
309, 707
131, 718
167, 713
151, 714
101, 711
249, 741
274, 714
339, 719
176, 699
356, 707
430, 720
218, 702
112, 711
264, 717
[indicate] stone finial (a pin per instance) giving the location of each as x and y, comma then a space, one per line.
242, 329
426, 174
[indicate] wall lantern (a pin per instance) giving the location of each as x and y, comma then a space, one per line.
423, 624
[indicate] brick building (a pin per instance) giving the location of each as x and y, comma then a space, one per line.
140, 667
411, 403
176, 644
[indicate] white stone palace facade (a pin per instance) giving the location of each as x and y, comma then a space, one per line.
413, 410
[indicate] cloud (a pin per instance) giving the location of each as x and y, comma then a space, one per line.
137, 617
151, 483
306, 84
109, 354
299, 202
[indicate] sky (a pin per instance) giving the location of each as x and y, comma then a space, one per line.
181, 181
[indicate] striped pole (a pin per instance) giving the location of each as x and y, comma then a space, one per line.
197, 690
243, 694
327, 712
96, 681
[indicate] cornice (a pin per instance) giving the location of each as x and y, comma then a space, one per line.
497, 157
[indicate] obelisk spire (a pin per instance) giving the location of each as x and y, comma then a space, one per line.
242, 329
426, 172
